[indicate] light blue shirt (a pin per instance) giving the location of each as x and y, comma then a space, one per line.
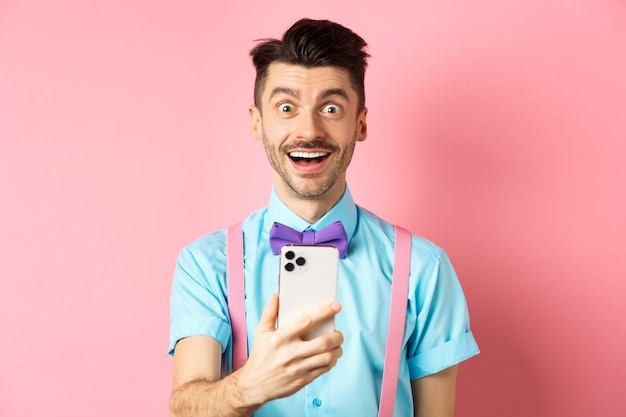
437, 333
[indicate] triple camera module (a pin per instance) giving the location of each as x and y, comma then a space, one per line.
291, 256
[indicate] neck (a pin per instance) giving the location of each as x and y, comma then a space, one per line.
311, 209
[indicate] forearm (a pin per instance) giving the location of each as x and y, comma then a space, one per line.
204, 398
280, 364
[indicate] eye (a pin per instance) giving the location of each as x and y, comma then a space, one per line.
331, 108
286, 107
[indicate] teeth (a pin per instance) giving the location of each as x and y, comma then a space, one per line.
307, 154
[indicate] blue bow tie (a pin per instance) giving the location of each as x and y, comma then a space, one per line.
332, 235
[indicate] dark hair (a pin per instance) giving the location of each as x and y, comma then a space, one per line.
313, 43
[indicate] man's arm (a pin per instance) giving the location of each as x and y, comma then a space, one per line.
279, 365
434, 395
197, 384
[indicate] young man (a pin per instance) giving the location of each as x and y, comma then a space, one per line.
309, 113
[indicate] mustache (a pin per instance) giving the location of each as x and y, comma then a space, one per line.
310, 144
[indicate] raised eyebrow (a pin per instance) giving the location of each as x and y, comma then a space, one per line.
296, 94
286, 91
335, 92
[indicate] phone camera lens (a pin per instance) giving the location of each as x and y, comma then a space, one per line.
290, 254
289, 266
300, 261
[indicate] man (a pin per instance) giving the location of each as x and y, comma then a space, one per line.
309, 113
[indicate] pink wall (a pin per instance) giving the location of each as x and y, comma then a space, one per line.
495, 130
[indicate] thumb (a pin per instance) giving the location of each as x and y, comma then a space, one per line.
267, 323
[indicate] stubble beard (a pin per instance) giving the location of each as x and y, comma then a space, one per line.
314, 185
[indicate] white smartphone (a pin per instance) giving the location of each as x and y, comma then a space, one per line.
307, 279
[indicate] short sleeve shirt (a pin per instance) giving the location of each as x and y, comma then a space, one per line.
437, 333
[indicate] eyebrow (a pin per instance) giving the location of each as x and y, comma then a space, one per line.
287, 91
296, 94
335, 92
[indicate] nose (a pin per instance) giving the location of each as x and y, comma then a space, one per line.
309, 125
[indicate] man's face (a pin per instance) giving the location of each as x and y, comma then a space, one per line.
309, 122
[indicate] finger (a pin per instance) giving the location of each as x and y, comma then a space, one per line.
312, 317
319, 364
335, 339
322, 344
268, 317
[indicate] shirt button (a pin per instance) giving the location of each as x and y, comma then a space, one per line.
317, 403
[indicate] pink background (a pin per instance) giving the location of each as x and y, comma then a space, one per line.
497, 129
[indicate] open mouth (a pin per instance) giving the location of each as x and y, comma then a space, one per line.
308, 157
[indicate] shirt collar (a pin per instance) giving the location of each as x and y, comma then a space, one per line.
345, 211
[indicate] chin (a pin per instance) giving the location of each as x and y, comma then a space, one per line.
314, 191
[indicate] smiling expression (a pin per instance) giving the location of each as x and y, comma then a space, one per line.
309, 122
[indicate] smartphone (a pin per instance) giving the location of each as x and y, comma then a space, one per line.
307, 279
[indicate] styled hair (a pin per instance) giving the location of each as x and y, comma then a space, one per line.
313, 43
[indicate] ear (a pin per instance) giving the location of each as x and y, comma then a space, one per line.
361, 125
256, 125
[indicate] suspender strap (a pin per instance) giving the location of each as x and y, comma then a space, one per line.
397, 319
397, 315
236, 306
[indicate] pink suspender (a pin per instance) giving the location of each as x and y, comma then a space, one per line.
236, 307
397, 319
397, 315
